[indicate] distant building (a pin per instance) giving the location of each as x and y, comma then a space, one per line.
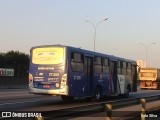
141, 63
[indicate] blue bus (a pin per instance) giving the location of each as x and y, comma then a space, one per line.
74, 72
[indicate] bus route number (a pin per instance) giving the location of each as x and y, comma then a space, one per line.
77, 77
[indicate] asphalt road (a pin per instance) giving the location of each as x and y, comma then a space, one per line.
21, 100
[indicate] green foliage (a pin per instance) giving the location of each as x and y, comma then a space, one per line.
17, 60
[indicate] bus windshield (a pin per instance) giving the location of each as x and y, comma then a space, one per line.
48, 55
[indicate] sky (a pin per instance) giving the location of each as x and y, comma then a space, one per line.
28, 23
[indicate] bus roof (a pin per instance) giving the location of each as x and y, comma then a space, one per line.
112, 57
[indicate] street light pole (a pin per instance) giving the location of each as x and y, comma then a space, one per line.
146, 48
95, 28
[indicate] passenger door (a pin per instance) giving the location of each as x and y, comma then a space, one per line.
88, 75
113, 76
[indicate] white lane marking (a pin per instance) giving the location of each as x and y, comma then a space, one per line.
11, 103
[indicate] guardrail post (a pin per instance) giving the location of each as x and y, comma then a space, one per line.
108, 107
143, 109
39, 118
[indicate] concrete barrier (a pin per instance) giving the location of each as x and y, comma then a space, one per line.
13, 82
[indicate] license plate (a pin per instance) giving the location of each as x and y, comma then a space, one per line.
46, 86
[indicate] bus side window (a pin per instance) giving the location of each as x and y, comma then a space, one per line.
128, 68
77, 62
98, 64
119, 68
133, 69
124, 66
105, 63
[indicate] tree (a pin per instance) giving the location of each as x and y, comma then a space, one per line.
17, 60
2, 63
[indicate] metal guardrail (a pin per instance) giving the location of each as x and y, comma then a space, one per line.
94, 108
152, 98
98, 107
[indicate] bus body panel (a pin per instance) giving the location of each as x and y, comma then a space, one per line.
46, 78
80, 83
78, 74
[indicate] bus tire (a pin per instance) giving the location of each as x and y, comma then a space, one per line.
98, 94
66, 98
